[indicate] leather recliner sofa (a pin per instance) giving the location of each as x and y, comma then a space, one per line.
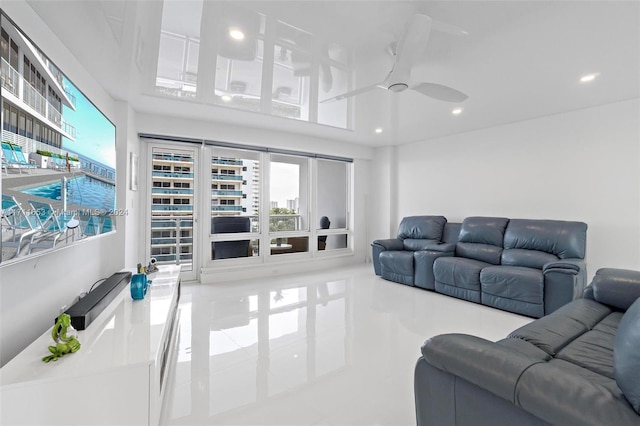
579, 365
530, 267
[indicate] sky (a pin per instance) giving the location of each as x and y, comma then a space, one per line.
285, 182
95, 135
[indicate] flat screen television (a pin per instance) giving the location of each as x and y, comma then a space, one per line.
58, 153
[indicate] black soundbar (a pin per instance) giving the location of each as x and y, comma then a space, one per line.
85, 310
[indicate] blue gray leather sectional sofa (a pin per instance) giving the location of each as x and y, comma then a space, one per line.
579, 365
530, 267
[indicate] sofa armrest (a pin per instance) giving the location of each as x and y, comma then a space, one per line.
442, 247
564, 281
566, 266
481, 362
389, 244
378, 246
618, 288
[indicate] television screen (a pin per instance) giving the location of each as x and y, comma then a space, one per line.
58, 153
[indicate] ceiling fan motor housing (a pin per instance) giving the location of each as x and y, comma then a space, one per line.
398, 87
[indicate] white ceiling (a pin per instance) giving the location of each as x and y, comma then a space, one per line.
520, 59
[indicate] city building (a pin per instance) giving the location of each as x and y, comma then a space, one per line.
172, 195
228, 181
33, 96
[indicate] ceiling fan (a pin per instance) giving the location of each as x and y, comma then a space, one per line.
407, 52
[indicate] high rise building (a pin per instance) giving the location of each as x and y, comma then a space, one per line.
172, 206
234, 191
33, 95
227, 183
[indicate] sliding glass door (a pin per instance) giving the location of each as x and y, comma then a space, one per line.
173, 226
234, 203
212, 207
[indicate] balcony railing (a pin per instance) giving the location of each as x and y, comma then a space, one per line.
11, 81
226, 192
168, 157
35, 100
173, 175
226, 161
10, 78
172, 207
176, 245
226, 208
285, 222
175, 191
215, 176
54, 115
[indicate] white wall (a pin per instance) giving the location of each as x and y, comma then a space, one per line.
133, 221
33, 290
582, 165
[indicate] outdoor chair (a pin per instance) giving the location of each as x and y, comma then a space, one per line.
19, 155
10, 158
53, 225
21, 224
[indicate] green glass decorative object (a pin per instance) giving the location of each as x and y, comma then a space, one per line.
64, 344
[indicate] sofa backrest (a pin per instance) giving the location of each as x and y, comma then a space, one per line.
481, 238
532, 243
413, 230
451, 232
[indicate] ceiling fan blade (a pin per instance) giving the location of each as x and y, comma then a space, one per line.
410, 47
353, 93
440, 92
450, 29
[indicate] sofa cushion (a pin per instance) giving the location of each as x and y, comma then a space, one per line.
422, 227
483, 230
563, 394
513, 289
594, 349
561, 238
481, 239
458, 272
558, 329
626, 355
513, 282
527, 258
397, 266
458, 277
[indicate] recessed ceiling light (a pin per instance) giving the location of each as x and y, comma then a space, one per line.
226, 98
378, 130
457, 111
589, 77
236, 34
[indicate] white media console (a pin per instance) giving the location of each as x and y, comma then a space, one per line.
119, 375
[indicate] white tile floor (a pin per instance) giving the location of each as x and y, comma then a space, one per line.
335, 348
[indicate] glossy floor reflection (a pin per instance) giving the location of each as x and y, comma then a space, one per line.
334, 348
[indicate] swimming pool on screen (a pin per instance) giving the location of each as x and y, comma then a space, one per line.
83, 191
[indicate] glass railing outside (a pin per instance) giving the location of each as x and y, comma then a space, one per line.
226, 208
35, 100
225, 177
167, 157
181, 191
10, 78
226, 161
172, 207
226, 192
177, 248
173, 175
285, 222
